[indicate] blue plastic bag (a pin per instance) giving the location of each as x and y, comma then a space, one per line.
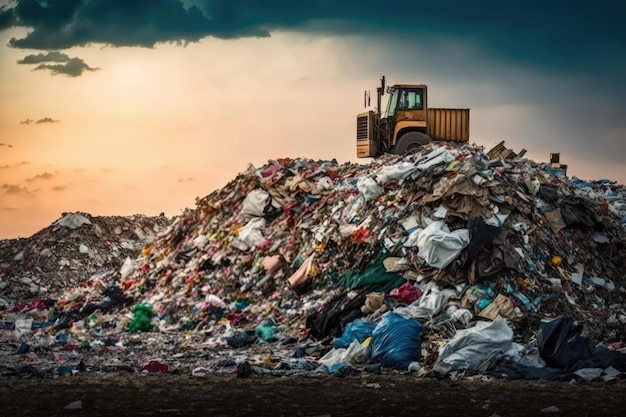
396, 341
359, 329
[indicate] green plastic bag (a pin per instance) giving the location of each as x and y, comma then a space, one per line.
142, 318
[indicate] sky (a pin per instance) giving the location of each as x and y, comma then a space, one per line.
120, 107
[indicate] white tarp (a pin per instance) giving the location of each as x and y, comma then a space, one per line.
475, 348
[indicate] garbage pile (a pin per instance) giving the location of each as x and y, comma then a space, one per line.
72, 249
441, 261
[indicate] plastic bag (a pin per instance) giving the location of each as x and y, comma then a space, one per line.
355, 353
397, 172
142, 318
396, 341
358, 330
266, 331
438, 247
476, 348
250, 235
369, 188
561, 343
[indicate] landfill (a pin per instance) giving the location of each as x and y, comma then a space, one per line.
447, 262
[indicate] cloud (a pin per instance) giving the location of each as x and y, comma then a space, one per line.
7, 17
15, 189
564, 61
532, 30
6, 144
59, 187
14, 165
73, 68
53, 56
44, 176
39, 121
46, 120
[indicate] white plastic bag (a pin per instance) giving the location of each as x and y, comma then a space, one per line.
250, 236
474, 348
369, 188
438, 247
354, 354
255, 202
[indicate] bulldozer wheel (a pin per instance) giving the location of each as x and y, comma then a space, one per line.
410, 141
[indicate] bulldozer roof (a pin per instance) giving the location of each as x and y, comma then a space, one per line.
396, 86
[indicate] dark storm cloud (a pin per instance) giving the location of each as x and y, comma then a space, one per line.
73, 68
553, 33
571, 55
52, 56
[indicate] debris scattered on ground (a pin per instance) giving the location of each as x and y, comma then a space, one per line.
71, 250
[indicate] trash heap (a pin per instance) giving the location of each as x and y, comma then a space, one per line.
72, 249
441, 261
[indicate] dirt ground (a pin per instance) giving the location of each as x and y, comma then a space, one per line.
374, 395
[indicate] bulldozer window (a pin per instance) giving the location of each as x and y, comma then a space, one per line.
410, 100
393, 102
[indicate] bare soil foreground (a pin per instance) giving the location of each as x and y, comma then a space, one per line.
375, 395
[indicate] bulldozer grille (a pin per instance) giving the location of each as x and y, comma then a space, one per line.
362, 128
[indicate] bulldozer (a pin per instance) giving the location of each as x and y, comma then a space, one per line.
408, 123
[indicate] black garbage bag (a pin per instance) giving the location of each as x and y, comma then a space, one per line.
334, 316
549, 194
602, 357
561, 343
482, 235
576, 211
241, 339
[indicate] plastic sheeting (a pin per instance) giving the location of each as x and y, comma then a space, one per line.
250, 236
396, 173
355, 353
375, 276
396, 341
476, 348
438, 247
436, 157
428, 305
369, 188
